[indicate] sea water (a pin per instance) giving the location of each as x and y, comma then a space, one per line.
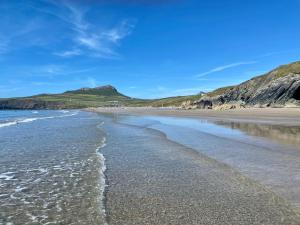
269, 154
51, 168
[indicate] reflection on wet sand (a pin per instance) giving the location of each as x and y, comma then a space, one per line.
272, 164
155, 180
281, 134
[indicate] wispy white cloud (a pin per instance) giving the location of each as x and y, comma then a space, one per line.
71, 32
89, 38
73, 83
224, 67
68, 53
53, 70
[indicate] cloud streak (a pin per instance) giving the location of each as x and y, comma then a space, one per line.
54, 70
224, 67
87, 38
62, 28
69, 53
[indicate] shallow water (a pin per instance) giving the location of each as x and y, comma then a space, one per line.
156, 179
265, 153
51, 172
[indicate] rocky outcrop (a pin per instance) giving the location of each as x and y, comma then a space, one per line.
106, 90
278, 88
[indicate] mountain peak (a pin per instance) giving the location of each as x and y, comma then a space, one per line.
105, 87
106, 90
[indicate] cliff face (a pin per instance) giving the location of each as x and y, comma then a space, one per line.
29, 104
279, 87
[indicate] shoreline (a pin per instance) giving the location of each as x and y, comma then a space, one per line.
154, 179
274, 116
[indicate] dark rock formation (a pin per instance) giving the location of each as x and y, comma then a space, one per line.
204, 104
279, 87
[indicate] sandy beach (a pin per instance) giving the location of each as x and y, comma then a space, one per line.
279, 116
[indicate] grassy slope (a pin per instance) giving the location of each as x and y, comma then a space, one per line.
71, 100
286, 69
171, 101
98, 98
75, 100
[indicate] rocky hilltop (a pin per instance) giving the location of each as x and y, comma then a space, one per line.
106, 90
277, 88
81, 98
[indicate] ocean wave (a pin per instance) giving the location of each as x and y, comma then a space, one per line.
102, 177
8, 124
29, 120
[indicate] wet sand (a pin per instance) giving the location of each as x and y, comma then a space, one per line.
279, 116
153, 180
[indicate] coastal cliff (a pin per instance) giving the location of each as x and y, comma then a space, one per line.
278, 88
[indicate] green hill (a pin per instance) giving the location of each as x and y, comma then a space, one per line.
81, 98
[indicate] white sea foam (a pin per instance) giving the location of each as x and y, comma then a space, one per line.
102, 176
8, 124
20, 189
32, 217
29, 120
42, 170
18, 121
64, 111
7, 176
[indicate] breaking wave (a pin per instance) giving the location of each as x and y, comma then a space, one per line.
29, 120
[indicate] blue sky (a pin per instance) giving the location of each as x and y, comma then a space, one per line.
146, 49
